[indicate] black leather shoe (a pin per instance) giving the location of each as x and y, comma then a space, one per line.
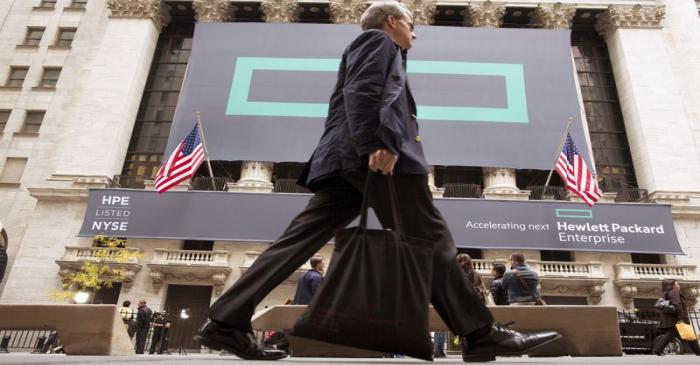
502, 341
235, 341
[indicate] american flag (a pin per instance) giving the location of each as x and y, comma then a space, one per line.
573, 170
183, 162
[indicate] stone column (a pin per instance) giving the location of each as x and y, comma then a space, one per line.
256, 177
347, 11
485, 15
553, 16
652, 95
108, 95
499, 183
212, 11
280, 11
423, 11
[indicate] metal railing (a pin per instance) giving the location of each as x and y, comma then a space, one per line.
204, 183
458, 190
632, 195
541, 192
289, 186
639, 331
28, 339
129, 181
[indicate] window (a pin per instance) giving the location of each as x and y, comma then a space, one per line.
78, 4
474, 253
32, 121
198, 245
646, 258
47, 4
50, 76
65, 37
33, 37
17, 76
13, 170
561, 256
4, 116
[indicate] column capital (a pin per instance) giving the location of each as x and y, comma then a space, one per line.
485, 15
156, 10
553, 16
212, 11
423, 10
347, 11
280, 11
636, 16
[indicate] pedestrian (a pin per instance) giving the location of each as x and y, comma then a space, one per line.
143, 321
672, 292
159, 338
309, 283
473, 277
128, 317
371, 127
498, 291
521, 282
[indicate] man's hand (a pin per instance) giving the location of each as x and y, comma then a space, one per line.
382, 160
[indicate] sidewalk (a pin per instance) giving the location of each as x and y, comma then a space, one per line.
212, 359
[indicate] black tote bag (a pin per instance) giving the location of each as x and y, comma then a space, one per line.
376, 293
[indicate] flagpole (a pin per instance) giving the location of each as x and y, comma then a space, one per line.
561, 145
206, 150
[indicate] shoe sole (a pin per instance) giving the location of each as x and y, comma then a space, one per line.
491, 357
217, 346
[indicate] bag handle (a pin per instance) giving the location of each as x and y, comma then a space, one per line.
392, 200
527, 287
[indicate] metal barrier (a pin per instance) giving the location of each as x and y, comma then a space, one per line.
541, 192
289, 186
639, 331
207, 183
456, 190
129, 181
39, 341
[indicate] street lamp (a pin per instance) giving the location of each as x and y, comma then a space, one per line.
81, 297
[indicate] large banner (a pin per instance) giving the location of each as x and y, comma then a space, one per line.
474, 223
486, 97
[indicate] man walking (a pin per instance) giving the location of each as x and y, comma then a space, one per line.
143, 322
309, 282
371, 126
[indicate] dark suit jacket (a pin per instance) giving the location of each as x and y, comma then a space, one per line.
307, 286
143, 317
370, 108
668, 320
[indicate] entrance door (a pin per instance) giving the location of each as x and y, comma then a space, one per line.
108, 295
187, 306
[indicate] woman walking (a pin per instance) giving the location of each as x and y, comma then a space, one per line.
672, 292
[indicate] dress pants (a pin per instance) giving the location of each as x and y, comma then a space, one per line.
335, 205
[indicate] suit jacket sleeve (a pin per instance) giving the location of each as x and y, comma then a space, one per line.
368, 62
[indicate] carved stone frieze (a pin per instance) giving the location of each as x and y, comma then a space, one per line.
280, 11
156, 10
485, 15
637, 16
347, 11
423, 11
553, 16
213, 11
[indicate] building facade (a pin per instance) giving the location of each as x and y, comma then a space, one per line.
90, 88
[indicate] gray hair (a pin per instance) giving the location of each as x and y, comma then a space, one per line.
375, 16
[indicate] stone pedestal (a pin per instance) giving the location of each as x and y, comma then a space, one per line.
256, 177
